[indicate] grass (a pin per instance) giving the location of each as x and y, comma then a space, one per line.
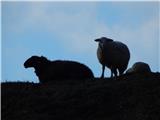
128, 97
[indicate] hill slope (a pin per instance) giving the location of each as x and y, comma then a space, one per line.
129, 97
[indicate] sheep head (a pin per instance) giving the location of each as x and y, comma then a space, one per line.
35, 61
102, 41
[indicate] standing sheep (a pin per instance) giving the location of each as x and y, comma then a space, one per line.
139, 67
47, 70
113, 54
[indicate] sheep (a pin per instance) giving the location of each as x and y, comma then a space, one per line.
113, 54
139, 67
47, 70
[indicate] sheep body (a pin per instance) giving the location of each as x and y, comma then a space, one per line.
139, 67
113, 54
47, 70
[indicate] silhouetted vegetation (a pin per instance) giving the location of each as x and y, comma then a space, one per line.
127, 97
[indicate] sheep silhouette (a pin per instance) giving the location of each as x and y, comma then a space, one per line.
113, 54
47, 70
139, 67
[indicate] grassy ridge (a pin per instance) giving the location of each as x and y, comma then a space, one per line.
129, 97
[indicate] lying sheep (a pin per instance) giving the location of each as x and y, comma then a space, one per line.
47, 70
113, 54
139, 67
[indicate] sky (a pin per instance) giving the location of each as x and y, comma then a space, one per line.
67, 30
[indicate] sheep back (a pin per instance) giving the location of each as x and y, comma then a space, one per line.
139, 67
61, 69
47, 70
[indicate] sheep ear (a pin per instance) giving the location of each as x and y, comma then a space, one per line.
97, 40
42, 56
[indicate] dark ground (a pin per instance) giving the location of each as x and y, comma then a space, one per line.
129, 97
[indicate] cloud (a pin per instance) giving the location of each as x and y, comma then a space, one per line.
74, 26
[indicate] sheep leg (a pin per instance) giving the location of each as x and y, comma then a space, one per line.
121, 71
113, 71
103, 68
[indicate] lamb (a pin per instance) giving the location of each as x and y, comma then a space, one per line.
47, 70
113, 54
139, 67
